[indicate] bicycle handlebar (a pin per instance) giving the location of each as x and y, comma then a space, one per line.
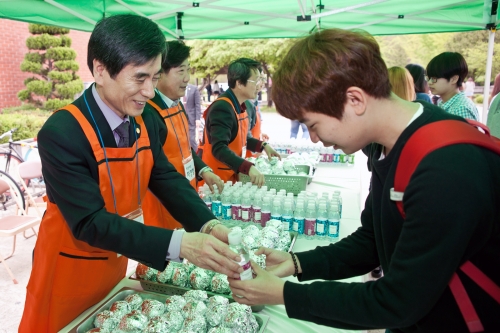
8, 133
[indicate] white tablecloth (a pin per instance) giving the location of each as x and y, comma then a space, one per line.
328, 178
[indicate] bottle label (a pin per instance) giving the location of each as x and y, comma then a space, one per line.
310, 227
264, 217
226, 212
247, 272
257, 216
320, 228
235, 210
216, 208
287, 222
333, 229
245, 214
295, 226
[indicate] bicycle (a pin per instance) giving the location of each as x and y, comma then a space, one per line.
9, 199
10, 158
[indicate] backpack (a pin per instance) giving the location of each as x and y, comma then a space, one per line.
425, 140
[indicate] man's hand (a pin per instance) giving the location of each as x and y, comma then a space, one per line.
210, 179
278, 263
208, 252
271, 152
256, 177
265, 288
265, 137
221, 232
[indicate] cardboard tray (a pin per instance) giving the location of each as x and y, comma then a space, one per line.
88, 323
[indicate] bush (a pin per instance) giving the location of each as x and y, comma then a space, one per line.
37, 29
64, 65
70, 89
54, 104
479, 99
27, 126
43, 42
60, 53
60, 76
39, 87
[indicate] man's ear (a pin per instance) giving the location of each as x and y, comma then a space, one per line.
454, 79
99, 72
356, 100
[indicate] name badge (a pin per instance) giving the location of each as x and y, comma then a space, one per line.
189, 167
244, 152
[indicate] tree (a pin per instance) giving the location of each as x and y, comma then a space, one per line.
209, 56
52, 61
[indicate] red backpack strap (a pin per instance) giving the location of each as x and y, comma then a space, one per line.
424, 141
429, 138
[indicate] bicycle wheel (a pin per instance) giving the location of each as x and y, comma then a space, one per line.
10, 198
9, 163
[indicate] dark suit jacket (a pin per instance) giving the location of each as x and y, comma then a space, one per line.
193, 110
70, 171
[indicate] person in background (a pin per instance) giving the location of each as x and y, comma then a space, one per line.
451, 206
402, 83
192, 104
496, 89
469, 88
100, 154
294, 129
421, 86
225, 138
209, 90
174, 131
445, 74
216, 89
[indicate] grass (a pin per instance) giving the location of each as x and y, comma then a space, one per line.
26, 109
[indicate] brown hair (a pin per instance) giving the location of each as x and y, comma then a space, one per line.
317, 71
402, 83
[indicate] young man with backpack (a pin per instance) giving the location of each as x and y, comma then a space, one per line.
431, 219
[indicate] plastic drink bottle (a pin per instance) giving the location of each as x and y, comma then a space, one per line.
265, 211
226, 205
287, 216
207, 198
310, 220
236, 207
333, 223
276, 209
234, 239
216, 204
298, 218
321, 221
257, 209
246, 204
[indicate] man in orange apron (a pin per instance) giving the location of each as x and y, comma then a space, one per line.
99, 156
173, 124
255, 123
225, 140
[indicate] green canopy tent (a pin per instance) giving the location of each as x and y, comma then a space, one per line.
230, 19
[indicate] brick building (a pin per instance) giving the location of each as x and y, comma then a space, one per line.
13, 35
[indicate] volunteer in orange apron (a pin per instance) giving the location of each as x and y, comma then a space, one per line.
95, 189
255, 123
174, 124
226, 126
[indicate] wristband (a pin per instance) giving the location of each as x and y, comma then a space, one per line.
295, 264
211, 225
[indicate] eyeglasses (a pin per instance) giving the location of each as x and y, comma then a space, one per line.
259, 81
431, 79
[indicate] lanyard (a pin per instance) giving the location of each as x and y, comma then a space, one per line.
106, 158
172, 123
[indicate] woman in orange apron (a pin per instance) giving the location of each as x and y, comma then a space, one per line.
238, 145
71, 275
178, 151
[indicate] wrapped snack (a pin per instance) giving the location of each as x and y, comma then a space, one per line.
106, 321
166, 275
195, 323
152, 308
288, 165
134, 300
200, 278
249, 242
274, 160
292, 172
175, 303
193, 307
259, 259
216, 312
220, 285
266, 242
283, 243
158, 325
253, 324
146, 273
120, 308
133, 322
175, 319
189, 266
251, 231
97, 330
219, 329
270, 225
180, 276
217, 300
196, 295
236, 319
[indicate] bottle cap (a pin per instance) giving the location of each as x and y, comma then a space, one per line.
234, 237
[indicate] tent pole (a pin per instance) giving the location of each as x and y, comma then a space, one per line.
487, 77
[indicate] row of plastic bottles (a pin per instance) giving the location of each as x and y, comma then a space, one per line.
310, 215
327, 154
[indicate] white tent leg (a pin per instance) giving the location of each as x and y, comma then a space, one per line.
487, 77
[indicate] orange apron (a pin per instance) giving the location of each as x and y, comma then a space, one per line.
237, 145
177, 149
256, 131
69, 275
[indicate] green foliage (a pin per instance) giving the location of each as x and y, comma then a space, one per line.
60, 76
479, 99
54, 104
64, 65
37, 29
55, 66
39, 87
43, 42
27, 126
69, 89
23, 95
34, 57
31, 67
